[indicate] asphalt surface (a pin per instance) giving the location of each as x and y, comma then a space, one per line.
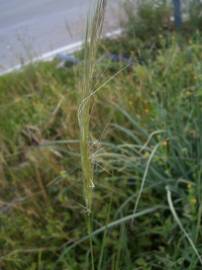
29, 28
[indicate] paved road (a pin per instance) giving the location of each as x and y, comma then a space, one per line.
30, 28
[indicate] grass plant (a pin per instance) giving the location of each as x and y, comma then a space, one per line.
88, 89
147, 125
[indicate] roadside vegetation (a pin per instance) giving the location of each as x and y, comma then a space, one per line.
145, 145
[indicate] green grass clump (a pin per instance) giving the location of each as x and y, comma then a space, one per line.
145, 150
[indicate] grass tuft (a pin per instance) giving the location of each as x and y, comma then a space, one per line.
148, 124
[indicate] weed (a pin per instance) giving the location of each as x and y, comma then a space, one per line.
147, 122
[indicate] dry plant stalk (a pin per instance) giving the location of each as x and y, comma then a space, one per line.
93, 34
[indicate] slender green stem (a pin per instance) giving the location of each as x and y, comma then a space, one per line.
176, 218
